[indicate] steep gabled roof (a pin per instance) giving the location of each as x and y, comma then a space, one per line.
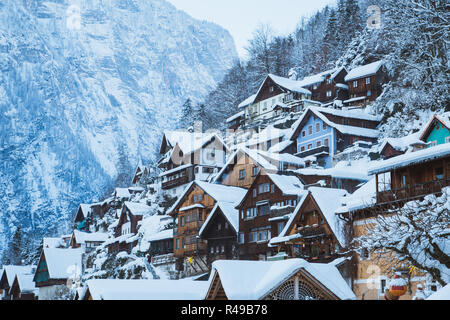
61, 263
228, 210
219, 192
83, 237
444, 119
25, 283
11, 271
138, 209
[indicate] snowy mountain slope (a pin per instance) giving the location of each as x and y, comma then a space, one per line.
86, 87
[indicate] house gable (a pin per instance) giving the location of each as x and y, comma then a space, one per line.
436, 132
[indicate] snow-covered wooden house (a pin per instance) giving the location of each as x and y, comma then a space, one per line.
314, 232
127, 227
264, 211
55, 269
365, 83
87, 241
7, 276
320, 133
327, 86
412, 175
190, 212
275, 91
220, 231
23, 288
292, 279
188, 156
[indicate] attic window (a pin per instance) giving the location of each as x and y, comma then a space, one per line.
271, 89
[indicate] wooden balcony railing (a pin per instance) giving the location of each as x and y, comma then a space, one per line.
412, 191
175, 183
281, 211
311, 152
311, 232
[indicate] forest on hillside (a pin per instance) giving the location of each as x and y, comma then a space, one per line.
411, 36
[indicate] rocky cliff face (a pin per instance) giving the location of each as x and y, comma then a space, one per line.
86, 88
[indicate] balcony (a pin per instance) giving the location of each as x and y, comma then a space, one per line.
412, 191
195, 248
175, 182
194, 225
315, 151
309, 232
281, 211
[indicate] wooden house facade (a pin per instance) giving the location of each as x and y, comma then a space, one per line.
365, 83
314, 232
263, 213
23, 288
412, 175
190, 213
327, 86
221, 233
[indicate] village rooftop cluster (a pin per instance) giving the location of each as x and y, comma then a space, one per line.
267, 211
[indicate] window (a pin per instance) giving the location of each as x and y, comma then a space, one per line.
271, 89
310, 130
255, 171
255, 193
241, 237
302, 149
219, 226
329, 93
222, 249
182, 220
324, 126
318, 143
226, 225
212, 249
177, 243
303, 133
317, 127
365, 255
241, 174
368, 80
263, 188
269, 144
263, 210
315, 86
272, 188
369, 93
355, 84
439, 173
309, 146
382, 286
329, 81
252, 236
325, 142
280, 227
433, 143
194, 198
200, 197
447, 139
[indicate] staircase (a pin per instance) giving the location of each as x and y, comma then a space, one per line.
198, 266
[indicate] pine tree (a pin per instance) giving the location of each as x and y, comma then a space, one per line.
187, 117
15, 248
330, 40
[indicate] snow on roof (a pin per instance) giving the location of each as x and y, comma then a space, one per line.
247, 101
289, 185
253, 154
352, 130
354, 114
291, 85
26, 283
122, 193
219, 192
328, 201
188, 141
364, 71
154, 228
83, 237
403, 143
118, 289
235, 116
269, 133
254, 280
362, 198
229, 211
179, 168
282, 157
320, 77
281, 146
52, 242
441, 294
85, 209
12, 270
138, 209
198, 205
341, 85
411, 158
62, 263
349, 172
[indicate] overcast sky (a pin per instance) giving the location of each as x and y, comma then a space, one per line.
241, 17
